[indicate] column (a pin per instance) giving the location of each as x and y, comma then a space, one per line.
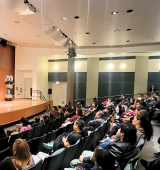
70, 80
92, 79
141, 74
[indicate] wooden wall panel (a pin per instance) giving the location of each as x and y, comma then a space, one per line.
7, 67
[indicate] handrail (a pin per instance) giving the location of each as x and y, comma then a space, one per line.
42, 97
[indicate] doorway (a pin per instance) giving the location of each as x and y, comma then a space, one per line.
28, 86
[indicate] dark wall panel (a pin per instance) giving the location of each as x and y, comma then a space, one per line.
115, 83
80, 80
153, 79
57, 76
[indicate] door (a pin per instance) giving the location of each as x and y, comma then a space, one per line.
28, 86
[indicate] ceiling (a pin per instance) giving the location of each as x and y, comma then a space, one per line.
95, 17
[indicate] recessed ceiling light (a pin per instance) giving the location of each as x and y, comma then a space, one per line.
110, 66
114, 13
38, 35
116, 30
87, 32
16, 22
118, 41
56, 66
129, 11
156, 39
94, 43
58, 29
64, 18
70, 41
128, 41
77, 33
123, 65
76, 17
128, 29
85, 43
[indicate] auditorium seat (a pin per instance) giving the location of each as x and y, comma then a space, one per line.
88, 146
14, 137
54, 160
5, 153
29, 142
37, 166
51, 136
51, 126
81, 147
37, 131
128, 167
37, 144
140, 144
4, 143
69, 155
134, 160
45, 128
28, 134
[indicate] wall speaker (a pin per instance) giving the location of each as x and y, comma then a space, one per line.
49, 91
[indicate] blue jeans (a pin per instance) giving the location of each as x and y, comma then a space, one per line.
104, 144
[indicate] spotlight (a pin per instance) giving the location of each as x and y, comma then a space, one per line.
70, 41
30, 6
62, 34
26, 2
58, 29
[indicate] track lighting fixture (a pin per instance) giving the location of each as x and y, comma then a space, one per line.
71, 51
30, 6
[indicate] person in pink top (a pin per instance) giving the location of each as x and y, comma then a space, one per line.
25, 124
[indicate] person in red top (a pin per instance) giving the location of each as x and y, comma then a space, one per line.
105, 102
75, 117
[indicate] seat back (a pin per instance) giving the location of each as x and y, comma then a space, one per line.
28, 134
69, 155
37, 131
37, 144
45, 129
4, 143
128, 167
134, 160
51, 126
82, 146
37, 166
14, 137
96, 138
69, 128
140, 144
5, 153
88, 146
54, 160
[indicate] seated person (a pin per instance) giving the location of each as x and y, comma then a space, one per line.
105, 102
21, 159
67, 112
98, 120
36, 120
57, 115
68, 104
93, 107
109, 103
75, 117
67, 139
100, 157
2, 132
23, 126
54, 108
51, 116
60, 111
123, 149
143, 126
43, 118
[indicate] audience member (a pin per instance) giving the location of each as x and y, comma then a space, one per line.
57, 115
60, 111
67, 112
67, 139
93, 107
98, 120
36, 121
98, 162
21, 159
123, 149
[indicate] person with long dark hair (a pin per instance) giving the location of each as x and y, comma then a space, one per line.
67, 139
